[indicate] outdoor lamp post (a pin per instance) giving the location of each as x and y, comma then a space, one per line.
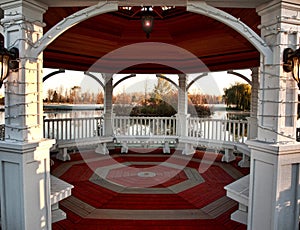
291, 63
7, 62
147, 22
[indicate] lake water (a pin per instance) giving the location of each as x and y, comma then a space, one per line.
219, 112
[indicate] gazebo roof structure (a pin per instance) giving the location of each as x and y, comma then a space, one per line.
218, 46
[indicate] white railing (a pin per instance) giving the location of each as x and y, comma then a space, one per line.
219, 130
145, 126
204, 128
73, 128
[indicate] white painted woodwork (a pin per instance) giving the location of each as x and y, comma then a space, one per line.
23, 91
25, 185
59, 191
182, 110
239, 191
201, 7
108, 112
275, 158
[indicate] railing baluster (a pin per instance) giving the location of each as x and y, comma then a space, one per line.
44, 128
86, 133
57, 129
61, 129
217, 129
234, 130
225, 130
243, 132
208, 128
81, 128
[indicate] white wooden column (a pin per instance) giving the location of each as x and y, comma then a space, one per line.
24, 155
108, 110
182, 113
252, 120
108, 114
254, 95
275, 156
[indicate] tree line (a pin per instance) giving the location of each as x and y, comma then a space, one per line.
73, 96
163, 91
237, 96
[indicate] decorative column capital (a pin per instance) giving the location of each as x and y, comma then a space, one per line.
108, 78
28, 9
254, 71
279, 5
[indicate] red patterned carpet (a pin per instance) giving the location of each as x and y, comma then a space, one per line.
148, 191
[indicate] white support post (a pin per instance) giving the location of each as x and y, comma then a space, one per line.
245, 162
108, 110
24, 155
188, 149
166, 148
182, 113
275, 159
252, 120
63, 155
124, 148
228, 155
102, 149
108, 114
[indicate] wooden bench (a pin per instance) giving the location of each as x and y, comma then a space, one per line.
59, 191
229, 147
63, 145
146, 141
239, 191
244, 149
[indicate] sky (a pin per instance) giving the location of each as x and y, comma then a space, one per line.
212, 84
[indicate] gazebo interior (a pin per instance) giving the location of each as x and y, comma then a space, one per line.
152, 171
218, 46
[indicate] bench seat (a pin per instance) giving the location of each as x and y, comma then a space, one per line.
228, 147
239, 191
63, 145
59, 191
146, 141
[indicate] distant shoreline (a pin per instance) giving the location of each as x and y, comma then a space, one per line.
73, 107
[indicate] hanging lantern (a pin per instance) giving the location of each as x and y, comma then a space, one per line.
291, 63
147, 21
8, 61
4, 64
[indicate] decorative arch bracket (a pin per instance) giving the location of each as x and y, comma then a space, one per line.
123, 79
68, 22
167, 79
196, 79
240, 75
95, 78
204, 9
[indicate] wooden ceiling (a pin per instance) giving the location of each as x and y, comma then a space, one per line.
112, 38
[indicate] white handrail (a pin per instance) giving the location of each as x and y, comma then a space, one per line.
73, 128
218, 129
